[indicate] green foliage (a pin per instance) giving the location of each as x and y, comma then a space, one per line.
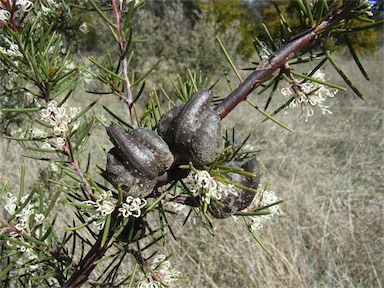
179, 41
11, 96
362, 41
117, 222
232, 15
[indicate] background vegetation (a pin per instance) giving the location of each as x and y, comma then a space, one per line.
330, 170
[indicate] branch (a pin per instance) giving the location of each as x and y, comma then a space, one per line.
265, 69
86, 266
277, 60
128, 97
76, 166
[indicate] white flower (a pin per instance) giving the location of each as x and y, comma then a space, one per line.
265, 198
202, 183
162, 269
21, 226
46, 145
105, 208
151, 284
286, 91
310, 95
205, 180
100, 223
38, 133
99, 209
73, 111
23, 249
58, 117
22, 221
31, 255
4, 16
60, 143
50, 4
45, 9
84, 28
39, 218
12, 235
106, 195
75, 126
60, 121
160, 259
13, 49
11, 206
25, 5
23, 217
132, 206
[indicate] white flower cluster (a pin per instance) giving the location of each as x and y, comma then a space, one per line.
310, 94
12, 49
265, 198
59, 120
17, 6
24, 221
62, 50
161, 269
50, 6
84, 28
132, 207
106, 204
364, 7
202, 183
100, 208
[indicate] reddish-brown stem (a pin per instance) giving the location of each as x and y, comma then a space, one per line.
87, 265
78, 170
263, 71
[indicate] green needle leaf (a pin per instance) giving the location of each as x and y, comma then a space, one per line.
269, 116
107, 225
228, 59
341, 73
317, 80
354, 55
20, 110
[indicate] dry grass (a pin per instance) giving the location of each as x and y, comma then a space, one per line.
330, 173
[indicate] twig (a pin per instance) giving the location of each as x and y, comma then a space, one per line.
76, 166
87, 265
263, 71
128, 97
267, 67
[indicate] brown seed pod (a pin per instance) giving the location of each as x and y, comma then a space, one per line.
138, 161
120, 172
233, 203
193, 130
